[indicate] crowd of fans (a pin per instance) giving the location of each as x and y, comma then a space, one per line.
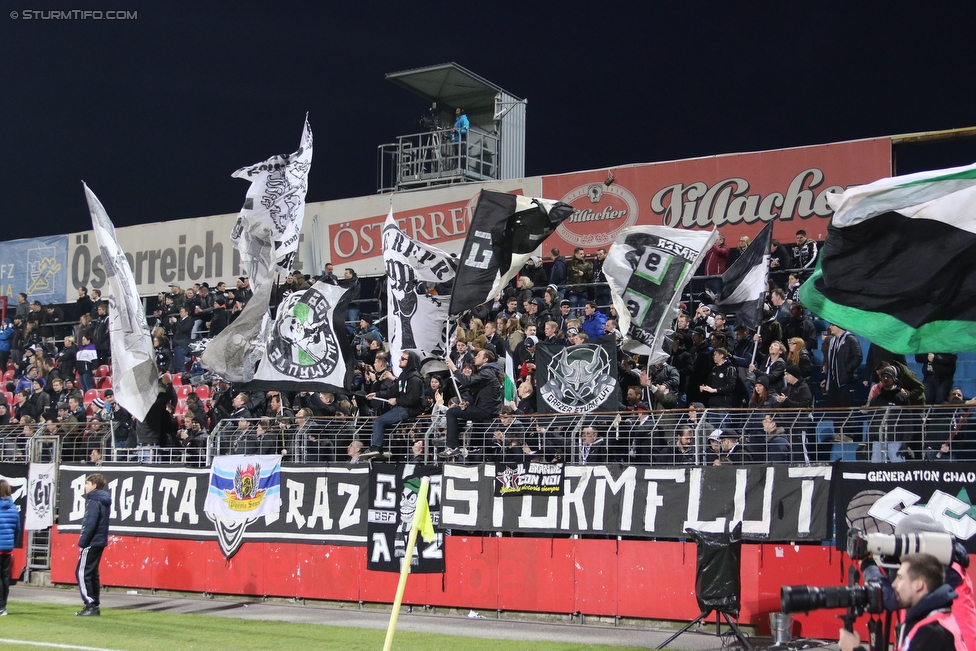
480, 413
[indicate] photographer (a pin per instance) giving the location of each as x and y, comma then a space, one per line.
929, 622
956, 577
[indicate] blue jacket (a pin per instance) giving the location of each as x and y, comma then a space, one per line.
593, 325
6, 335
9, 524
94, 529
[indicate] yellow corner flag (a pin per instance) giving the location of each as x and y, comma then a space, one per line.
421, 523
421, 517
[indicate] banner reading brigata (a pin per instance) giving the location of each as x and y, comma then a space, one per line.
876, 498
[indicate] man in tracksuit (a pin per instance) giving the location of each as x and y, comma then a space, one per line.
93, 539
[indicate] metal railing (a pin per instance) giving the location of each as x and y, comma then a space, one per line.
434, 158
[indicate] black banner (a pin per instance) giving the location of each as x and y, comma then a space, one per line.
774, 503
16, 476
532, 478
875, 497
318, 505
392, 503
577, 379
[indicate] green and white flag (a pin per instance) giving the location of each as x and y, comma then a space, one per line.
899, 263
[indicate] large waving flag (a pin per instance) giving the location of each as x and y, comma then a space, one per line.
134, 376
647, 268
744, 283
899, 263
266, 236
306, 348
417, 320
505, 230
270, 221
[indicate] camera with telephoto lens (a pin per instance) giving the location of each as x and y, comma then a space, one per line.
887, 549
858, 599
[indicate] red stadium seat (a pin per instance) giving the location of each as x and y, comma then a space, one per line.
183, 391
103, 383
90, 395
10, 397
203, 391
102, 371
8, 375
177, 380
11, 366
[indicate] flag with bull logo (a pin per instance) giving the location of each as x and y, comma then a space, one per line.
505, 230
647, 268
134, 374
577, 379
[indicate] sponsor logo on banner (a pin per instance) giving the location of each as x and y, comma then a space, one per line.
599, 214
580, 379
529, 479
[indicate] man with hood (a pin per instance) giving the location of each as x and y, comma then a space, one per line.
481, 399
533, 269
92, 541
406, 399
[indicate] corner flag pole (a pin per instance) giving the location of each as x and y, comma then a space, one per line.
419, 515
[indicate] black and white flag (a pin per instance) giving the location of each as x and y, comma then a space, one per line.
417, 319
40, 497
306, 347
270, 221
505, 230
266, 236
134, 374
393, 496
577, 379
744, 283
647, 267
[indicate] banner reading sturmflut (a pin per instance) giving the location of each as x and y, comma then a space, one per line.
133, 360
647, 267
243, 487
417, 319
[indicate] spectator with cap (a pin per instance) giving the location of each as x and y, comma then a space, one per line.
776, 444
887, 393
714, 452
36, 315
220, 317
527, 365
732, 449
797, 394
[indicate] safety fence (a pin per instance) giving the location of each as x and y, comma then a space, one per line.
664, 438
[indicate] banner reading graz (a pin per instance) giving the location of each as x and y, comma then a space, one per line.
874, 498
318, 504
774, 503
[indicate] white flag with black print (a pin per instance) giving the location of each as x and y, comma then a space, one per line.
417, 319
306, 347
134, 375
647, 268
267, 229
40, 497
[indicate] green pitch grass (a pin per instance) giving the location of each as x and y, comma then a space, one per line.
122, 630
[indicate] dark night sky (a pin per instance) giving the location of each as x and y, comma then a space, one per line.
156, 113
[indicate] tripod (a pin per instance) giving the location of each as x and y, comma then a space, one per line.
718, 628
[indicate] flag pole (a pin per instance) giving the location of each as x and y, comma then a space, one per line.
407, 558
447, 355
